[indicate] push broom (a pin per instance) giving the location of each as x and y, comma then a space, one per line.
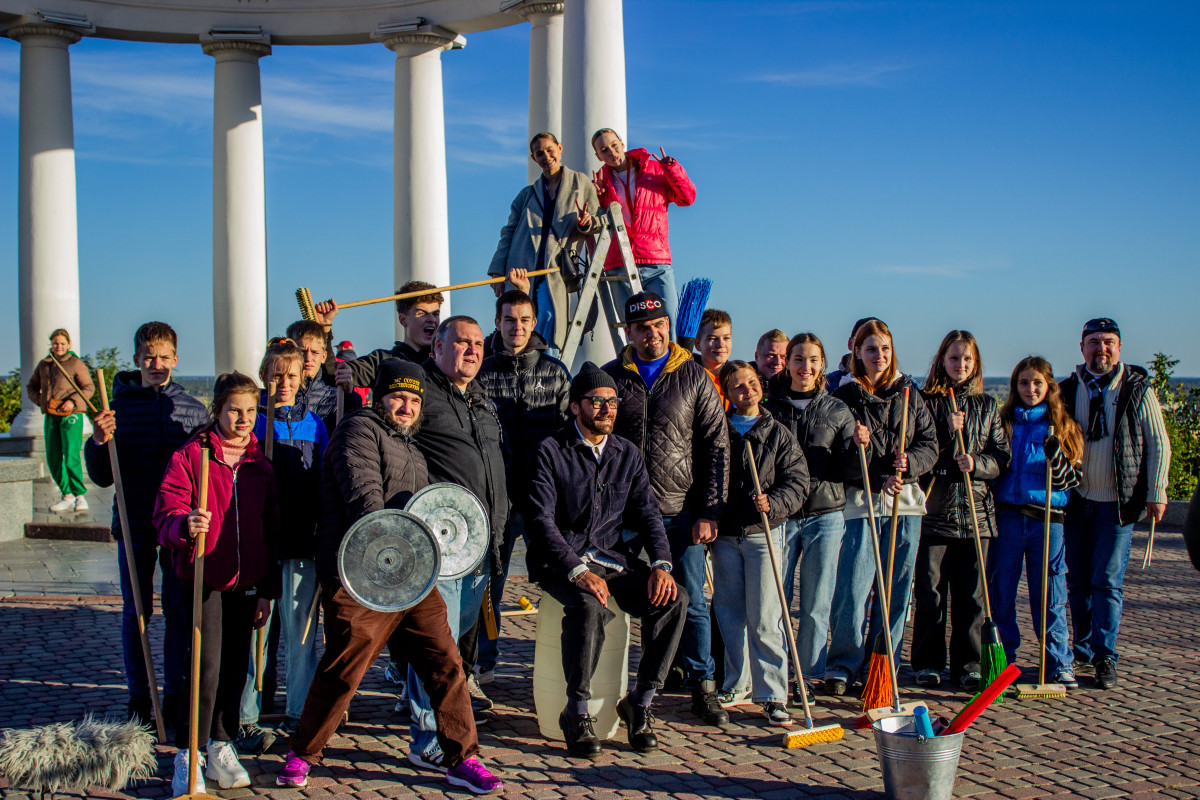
197, 617
992, 660
693, 299
134, 583
875, 690
875, 696
1042, 690
308, 309
813, 734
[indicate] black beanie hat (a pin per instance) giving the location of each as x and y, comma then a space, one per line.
590, 377
395, 374
643, 307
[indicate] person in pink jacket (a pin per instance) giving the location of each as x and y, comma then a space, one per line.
644, 184
241, 569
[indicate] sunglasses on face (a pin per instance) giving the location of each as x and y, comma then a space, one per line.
598, 403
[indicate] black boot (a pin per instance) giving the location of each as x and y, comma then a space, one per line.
706, 706
140, 709
638, 720
580, 736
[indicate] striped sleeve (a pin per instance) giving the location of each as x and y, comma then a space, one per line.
1158, 447
1063, 474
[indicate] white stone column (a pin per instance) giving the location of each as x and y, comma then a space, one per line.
47, 250
239, 207
593, 97
545, 71
421, 232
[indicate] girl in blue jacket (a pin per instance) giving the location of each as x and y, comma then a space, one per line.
1033, 407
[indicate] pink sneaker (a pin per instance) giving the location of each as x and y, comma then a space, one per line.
294, 773
474, 777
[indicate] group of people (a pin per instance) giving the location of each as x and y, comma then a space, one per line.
630, 482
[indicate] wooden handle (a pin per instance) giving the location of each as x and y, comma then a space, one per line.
202, 502
489, 614
312, 615
1045, 571
197, 618
260, 655
895, 511
422, 292
71, 381
970, 492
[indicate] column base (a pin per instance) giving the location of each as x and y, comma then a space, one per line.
28, 423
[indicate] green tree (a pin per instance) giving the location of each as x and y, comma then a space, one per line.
10, 399
1181, 413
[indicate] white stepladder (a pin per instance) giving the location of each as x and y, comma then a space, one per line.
592, 288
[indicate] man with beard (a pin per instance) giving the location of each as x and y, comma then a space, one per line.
1126, 459
585, 482
371, 464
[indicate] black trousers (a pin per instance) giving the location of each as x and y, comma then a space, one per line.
947, 566
224, 653
584, 619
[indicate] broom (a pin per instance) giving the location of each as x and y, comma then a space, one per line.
814, 734
876, 688
134, 583
882, 675
692, 300
1149, 545
260, 633
1042, 690
992, 660
197, 617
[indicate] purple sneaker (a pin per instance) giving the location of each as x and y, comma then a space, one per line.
474, 777
295, 772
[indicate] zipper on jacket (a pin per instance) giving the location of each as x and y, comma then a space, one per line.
237, 522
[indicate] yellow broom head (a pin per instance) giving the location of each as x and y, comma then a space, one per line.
878, 690
1041, 691
807, 736
304, 299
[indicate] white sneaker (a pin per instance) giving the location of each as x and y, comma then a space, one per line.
81, 504
224, 767
484, 676
179, 780
67, 503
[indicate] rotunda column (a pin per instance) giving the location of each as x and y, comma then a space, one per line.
545, 71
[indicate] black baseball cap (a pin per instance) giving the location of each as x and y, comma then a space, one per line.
643, 307
1100, 325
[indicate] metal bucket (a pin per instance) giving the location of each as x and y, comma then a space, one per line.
916, 767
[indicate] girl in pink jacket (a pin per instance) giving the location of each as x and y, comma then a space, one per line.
241, 571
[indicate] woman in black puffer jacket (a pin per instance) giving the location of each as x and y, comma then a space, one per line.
946, 559
824, 428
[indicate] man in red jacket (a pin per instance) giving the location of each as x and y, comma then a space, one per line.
644, 184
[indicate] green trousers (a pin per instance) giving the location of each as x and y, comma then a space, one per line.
64, 448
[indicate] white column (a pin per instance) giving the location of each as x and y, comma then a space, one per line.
47, 250
545, 71
593, 97
239, 207
421, 233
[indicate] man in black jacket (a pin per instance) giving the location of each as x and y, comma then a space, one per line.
156, 417
530, 390
585, 482
461, 440
372, 464
671, 411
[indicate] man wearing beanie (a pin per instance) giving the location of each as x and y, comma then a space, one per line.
1126, 459
371, 463
671, 412
586, 481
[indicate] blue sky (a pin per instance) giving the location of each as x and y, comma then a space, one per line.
1011, 168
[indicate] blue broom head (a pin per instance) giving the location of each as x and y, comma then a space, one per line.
693, 299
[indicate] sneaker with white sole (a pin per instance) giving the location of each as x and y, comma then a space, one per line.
81, 503
1066, 676
777, 715
737, 697
474, 777
180, 779
223, 766
484, 676
433, 760
294, 772
67, 503
479, 700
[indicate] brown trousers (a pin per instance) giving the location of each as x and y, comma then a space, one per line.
354, 638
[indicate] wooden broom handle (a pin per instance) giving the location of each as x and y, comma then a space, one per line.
71, 381
896, 509
987, 599
197, 617
422, 292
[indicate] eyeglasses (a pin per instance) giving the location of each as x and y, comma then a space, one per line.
598, 403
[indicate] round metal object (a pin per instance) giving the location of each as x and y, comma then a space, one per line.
389, 560
458, 521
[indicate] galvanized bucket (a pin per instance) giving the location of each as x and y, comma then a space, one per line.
916, 767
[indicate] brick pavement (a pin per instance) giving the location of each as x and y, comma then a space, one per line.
62, 658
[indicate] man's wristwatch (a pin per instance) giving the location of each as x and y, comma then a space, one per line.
665, 566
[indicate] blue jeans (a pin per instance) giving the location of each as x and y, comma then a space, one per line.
1097, 555
463, 597
489, 649
695, 647
177, 613
299, 589
545, 314
657, 278
816, 544
746, 602
1018, 544
251, 702
848, 647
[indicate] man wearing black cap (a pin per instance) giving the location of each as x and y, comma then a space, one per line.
1126, 459
670, 410
370, 464
585, 482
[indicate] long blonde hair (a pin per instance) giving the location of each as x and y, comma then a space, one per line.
939, 380
1065, 426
